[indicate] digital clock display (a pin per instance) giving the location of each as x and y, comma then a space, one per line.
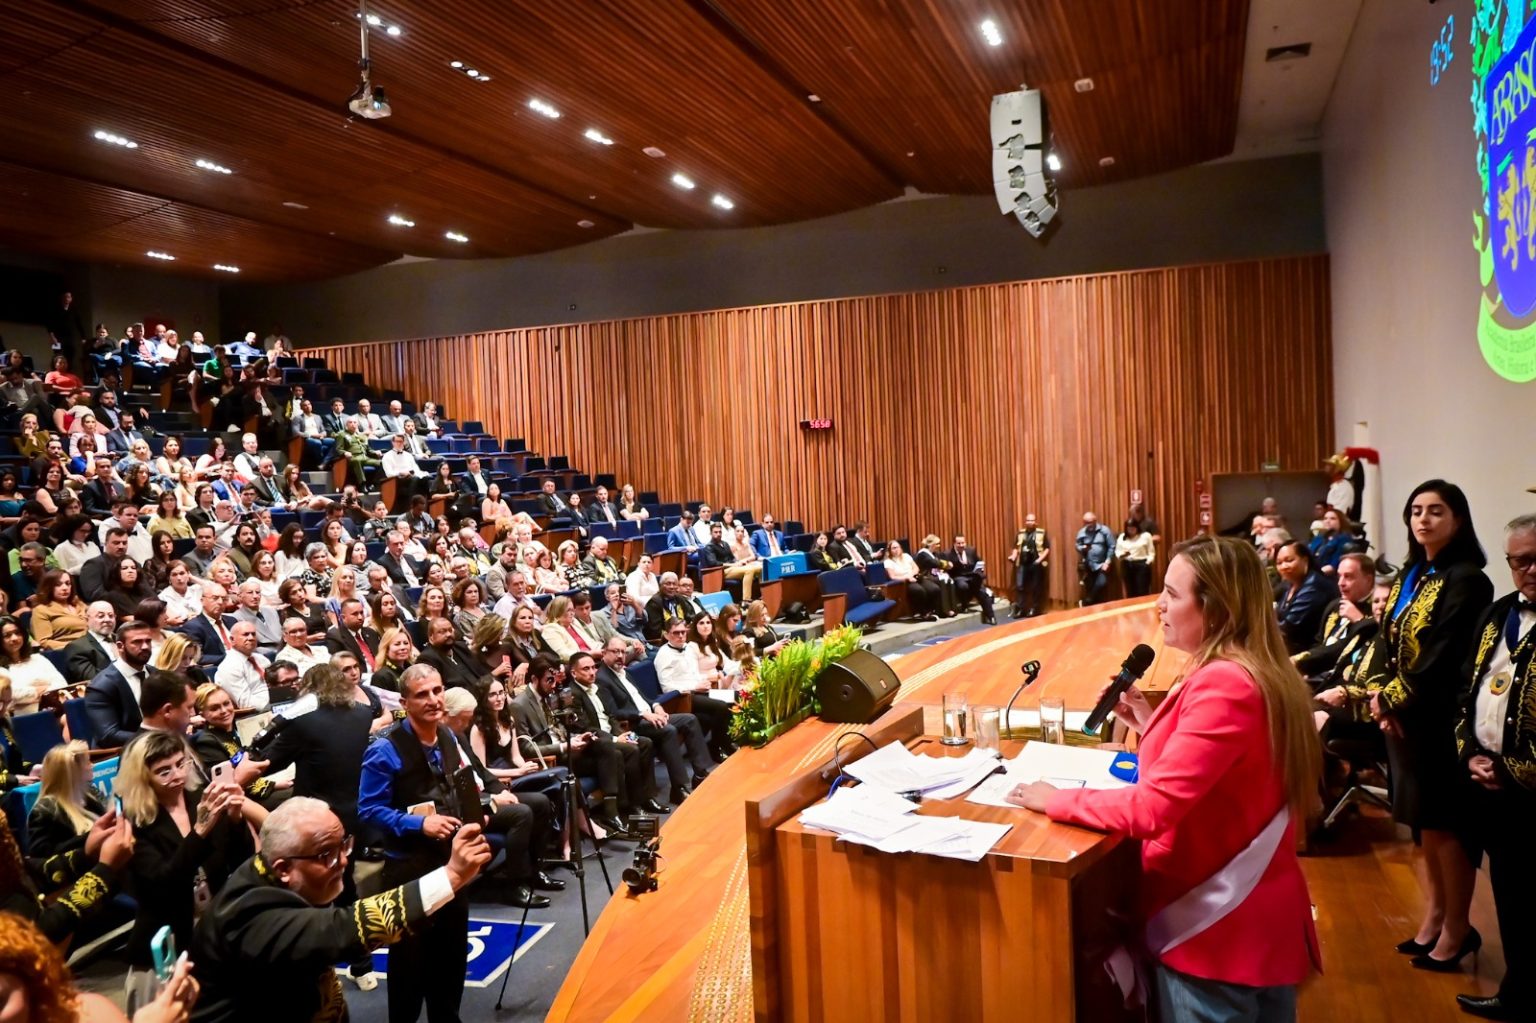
815, 424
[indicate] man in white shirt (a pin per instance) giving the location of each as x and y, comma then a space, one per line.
297, 650
243, 672
516, 596
126, 515
701, 525
248, 461
400, 464
677, 669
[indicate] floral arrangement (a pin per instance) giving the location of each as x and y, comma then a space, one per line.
784, 691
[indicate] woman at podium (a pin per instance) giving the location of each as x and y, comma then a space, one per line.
1229, 765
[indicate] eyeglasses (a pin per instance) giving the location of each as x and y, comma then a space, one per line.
175, 767
1520, 562
328, 858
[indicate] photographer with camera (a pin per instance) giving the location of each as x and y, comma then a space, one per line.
552, 714
407, 793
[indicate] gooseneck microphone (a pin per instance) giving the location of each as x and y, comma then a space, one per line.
1031, 670
1135, 666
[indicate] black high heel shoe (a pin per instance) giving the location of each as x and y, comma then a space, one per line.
1413, 948
1469, 946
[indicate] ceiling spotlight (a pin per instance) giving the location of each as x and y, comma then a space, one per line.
295, 205
682, 181
990, 32
152, 254
399, 221
455, 64
375, 20
653, 152
1053, 162
116, 140
722, 202
393, 30
1106, 161
226, 268
538, 106
367, 101
209, 165
483, 78
471, 72
598, 137
454, 236
585, 223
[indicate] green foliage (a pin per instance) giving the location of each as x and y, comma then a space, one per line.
785, 687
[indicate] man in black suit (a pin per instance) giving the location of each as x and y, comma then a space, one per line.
451, 658
550, 503
94, 652
472, 487
601, 509
210, 629
112, 698
669, 733
427, 421
93, 574
352, 637
970, 579
858, 540
663, 607
1356, 576
120, 440
402, 571
335, 420
639, 756
841, 550
103, 491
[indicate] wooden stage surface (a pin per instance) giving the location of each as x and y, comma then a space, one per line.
683, 952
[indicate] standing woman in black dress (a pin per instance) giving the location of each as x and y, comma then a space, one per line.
1430, 624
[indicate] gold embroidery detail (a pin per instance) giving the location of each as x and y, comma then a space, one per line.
380, 919
1405, 637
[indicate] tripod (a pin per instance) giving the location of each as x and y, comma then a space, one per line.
570, 795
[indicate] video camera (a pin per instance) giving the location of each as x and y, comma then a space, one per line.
640, 875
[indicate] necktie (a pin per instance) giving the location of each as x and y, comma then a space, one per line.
773, 544
367, 654
223, 635
255, 667
857, 560
608, 511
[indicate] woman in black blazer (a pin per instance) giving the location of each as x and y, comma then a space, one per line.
1414, 671
66, 805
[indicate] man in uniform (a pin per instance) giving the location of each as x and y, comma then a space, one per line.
1031, 550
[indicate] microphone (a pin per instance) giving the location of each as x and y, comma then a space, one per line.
1135, 666
303, 705
1031, 670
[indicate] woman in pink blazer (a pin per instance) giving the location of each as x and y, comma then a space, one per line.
1229, 765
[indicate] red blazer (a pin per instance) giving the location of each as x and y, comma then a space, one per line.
1208, 786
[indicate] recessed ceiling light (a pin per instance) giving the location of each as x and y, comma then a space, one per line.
116, 140
226, 268
1053, 161
209, 165
1083, 85
538, 106
1106, 161
393, 30
295, 205
455, 64
722, 202
374, 21
682, 181
585, 223
399, 221
991, 33
483, 78
814, 98
653, 152
454, 236
471, 72
152, 254
598, 137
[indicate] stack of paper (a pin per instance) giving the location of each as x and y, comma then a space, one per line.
1062, 766
870, 816
895, 768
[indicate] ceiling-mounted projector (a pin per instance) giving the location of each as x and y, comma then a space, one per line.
369, 102
1019, 178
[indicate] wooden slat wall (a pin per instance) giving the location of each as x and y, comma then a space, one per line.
958, 409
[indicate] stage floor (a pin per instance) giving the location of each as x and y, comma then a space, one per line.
683, 952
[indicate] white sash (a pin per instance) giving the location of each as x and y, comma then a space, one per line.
1199, 908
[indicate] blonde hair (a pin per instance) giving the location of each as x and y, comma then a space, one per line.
756, 614
1238, 608
132, 783
387, 640
61, 782
174, 651
557, 607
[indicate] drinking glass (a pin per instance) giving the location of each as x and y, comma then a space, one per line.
1053, 719
954, 719
985, 720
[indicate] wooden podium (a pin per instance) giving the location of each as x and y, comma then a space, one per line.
841, 931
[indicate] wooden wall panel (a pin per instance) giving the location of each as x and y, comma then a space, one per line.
958, 409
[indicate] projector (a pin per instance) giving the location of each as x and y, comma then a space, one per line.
369, 103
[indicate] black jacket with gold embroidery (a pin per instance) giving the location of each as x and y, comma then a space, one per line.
79, 885
1518, 759
263, 954
1425, 648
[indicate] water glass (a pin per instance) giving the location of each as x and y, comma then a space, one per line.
986, 721
954, 719
1053, 719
